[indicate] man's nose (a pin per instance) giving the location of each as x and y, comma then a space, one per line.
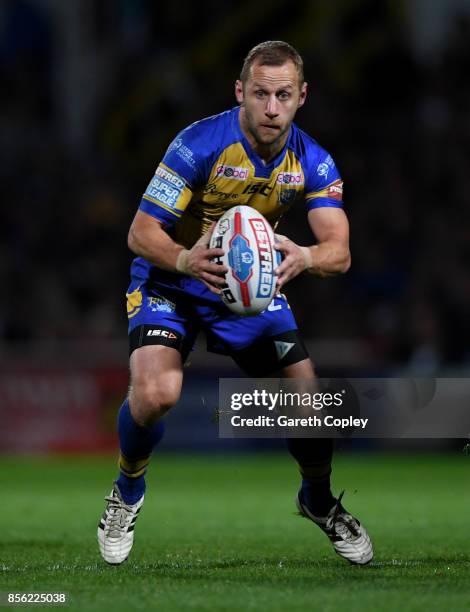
271, 107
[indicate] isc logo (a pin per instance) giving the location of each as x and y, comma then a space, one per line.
164, 333
262, 188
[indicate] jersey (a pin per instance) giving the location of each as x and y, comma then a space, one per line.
210, 167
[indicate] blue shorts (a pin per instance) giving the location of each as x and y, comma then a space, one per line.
171, 309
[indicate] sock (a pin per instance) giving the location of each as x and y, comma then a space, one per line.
314, 457
136, 446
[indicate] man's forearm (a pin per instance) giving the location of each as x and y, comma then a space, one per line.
327, 258
155, 246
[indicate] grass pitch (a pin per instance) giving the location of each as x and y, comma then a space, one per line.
220, 533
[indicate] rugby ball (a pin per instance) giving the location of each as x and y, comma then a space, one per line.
250, 257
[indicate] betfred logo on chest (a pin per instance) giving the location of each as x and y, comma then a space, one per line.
232, 172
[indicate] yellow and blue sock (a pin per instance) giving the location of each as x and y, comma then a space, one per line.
136, 446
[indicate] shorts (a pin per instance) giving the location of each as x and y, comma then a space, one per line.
171, 309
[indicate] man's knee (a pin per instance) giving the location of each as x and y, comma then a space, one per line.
304, 369
156, 379
150, 400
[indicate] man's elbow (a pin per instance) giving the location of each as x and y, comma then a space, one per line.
132, 241
341, 265
345, 264
335, 268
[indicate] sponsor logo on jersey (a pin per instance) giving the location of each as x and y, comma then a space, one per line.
232, 172
266, 277
170, 177
287, 178
263, 189
165, 187
211, 188
182, 151
287, 196
324, 167
335, 190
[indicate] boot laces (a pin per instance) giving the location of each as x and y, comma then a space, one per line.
342, 523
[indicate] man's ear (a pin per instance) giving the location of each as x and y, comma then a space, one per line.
239, 91
303, 95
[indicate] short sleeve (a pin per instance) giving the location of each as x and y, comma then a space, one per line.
183, 169
323, 185
166, 196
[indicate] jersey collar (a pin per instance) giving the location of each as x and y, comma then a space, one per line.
262, 170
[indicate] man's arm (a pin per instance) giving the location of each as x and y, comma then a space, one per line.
329, 257
149, 240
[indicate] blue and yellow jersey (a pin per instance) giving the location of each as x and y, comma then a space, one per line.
210, 167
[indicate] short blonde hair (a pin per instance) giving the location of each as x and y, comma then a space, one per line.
272, 53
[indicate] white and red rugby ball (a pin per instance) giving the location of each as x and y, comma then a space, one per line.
248, 241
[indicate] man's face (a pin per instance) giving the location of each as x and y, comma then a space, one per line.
270, 98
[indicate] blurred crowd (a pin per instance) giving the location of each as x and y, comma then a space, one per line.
397, 126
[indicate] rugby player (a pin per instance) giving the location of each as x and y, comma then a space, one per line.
253, 154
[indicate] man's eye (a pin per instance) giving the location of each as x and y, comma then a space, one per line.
259, 93
283, 95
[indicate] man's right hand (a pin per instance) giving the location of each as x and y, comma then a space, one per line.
197, 262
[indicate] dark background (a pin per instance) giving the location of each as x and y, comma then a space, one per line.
93, 91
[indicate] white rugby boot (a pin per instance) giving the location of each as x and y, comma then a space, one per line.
116, 527
349, 538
